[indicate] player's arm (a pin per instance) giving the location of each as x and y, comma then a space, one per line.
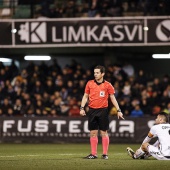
83, 103
115, 103
148, 138
145, 143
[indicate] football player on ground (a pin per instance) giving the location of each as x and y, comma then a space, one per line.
161, 148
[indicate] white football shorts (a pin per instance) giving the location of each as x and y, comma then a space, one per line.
155, 152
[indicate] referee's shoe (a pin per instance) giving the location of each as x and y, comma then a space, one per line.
105, 156
91, 156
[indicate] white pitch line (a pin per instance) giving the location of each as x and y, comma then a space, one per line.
66, 154
7, 156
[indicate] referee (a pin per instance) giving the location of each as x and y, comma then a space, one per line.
96, 93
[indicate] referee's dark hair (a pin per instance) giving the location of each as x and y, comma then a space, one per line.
165, 115
102, 68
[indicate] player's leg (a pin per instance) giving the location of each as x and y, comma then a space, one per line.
154, 151
147, 155
139, 154
142, 152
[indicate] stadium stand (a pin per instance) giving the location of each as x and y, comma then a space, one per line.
82, 8
41, 90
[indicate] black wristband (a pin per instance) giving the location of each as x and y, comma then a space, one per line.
81, 108
118, 110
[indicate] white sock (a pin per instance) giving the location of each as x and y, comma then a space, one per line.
139, 152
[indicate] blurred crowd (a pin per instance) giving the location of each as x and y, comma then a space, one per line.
43, 90
99, 8
102, 8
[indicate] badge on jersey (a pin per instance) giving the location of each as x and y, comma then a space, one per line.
102, 93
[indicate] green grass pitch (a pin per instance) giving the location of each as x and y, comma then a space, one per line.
70, 157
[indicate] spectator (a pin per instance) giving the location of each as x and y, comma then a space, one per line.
55, 108
74, 111
145, 107
137, 112
10, 92
39, 107
64, 93
2, 76
80, 88
1, 65
69, 10
13, 69
134, 5
165, 82
37, 88
17, 107
117, 89
126, 89
59, 82
164, 99
70, 87
113, 111
24, 74
168, 90
156, 86
57, 11
141, 78
94, 8
45, 8
55, 66
105, 7
115, 8
6, 108
46, 100
167, 108
64, 109
129, 69
74, 108
28, 109
49, 86
124, 107
150, 7
166, 7
43, 68
156, 110
136, 90
119, 73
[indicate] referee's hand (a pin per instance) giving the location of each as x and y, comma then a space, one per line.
82, 112
120, 115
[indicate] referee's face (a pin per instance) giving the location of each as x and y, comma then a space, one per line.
98, 75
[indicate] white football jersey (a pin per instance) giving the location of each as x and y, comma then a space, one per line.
162, 131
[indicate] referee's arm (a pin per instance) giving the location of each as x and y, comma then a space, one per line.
83, 103
115, 103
